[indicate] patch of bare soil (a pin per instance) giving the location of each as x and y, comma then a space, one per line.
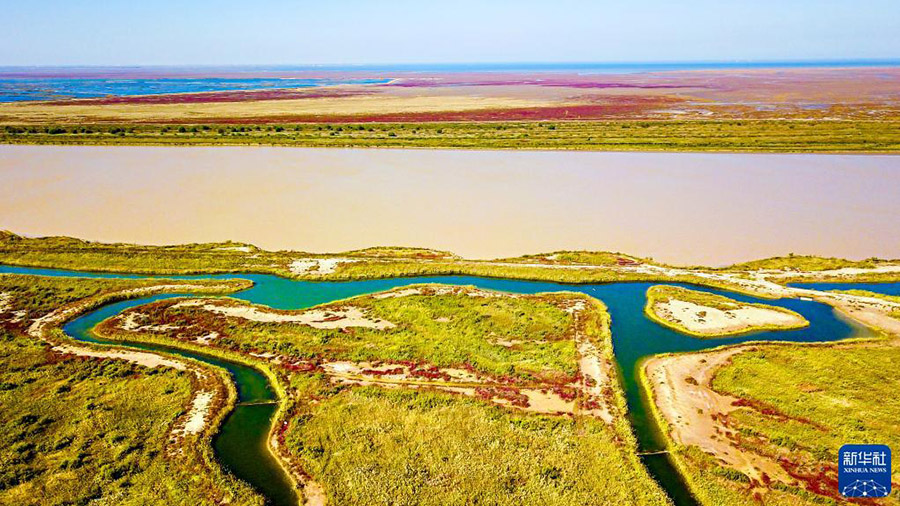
695, 412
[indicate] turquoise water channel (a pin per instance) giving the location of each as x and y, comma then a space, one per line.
241, 443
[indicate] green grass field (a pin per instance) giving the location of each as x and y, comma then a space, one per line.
624, 135
91, 430
378, 445
804, 263
377, 262
811, 400
69, 253
443, 330
372, 446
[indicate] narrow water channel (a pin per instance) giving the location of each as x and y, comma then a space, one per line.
241, 444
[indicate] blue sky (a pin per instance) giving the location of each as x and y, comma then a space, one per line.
170, 32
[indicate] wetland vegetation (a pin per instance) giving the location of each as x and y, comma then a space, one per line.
77, 429
530, 337
799, 404
622, 135
391, 262
371, 446
443, 366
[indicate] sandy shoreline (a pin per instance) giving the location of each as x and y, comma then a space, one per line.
691, 412
680, 386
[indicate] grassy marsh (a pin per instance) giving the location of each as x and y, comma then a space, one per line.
76, 430
373, 446
528, 337
624, 135
804, 402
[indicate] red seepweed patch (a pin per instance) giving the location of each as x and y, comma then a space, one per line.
510, 394
768, 410
213, 97
623, 107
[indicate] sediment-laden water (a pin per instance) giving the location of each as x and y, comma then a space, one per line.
679, 208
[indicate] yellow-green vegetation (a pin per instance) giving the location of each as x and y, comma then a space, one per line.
801, 403
35, 296
69, 253
806, 263
372, 446
76, 430
622, 135
708, 315
371, 263
390, 268
400, 252
530, 337
578, 258
375, 445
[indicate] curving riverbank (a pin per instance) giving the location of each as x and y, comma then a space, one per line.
241, 441
624, 300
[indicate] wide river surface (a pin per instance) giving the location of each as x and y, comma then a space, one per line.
682, 208
241, 443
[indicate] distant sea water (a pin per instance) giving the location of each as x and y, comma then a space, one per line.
53, 83
55, 88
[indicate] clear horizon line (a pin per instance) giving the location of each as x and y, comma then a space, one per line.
829, 61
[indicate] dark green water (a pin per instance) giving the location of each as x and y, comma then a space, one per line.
242, 443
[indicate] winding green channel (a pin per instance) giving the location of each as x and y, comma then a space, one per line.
241, 444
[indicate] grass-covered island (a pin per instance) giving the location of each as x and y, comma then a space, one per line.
430, 394
707, 315
422, 393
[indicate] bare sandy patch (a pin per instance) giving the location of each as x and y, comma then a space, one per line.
208, 338
870, 311
318, 266
404, 292
196, 418
597, 377
242, 249
509, 343
337, 318
7, 312
844, 272
145, 359
710, 321
131, 323
693, 410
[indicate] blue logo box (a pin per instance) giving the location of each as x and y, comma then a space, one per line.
864, 470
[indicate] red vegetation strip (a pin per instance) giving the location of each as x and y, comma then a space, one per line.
560, 83
210, 97
626, 107
513, 395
